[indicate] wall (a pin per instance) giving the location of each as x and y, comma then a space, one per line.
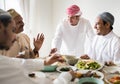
2, 4
90, 9
42, 23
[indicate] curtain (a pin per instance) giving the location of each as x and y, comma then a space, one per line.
38, 19
25, 8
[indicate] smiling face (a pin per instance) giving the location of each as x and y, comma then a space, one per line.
101, 27
7, 35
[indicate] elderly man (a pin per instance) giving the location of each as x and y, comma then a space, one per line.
21, 48
73, 34
12, 70
106, 44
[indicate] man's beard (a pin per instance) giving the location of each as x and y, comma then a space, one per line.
4, 47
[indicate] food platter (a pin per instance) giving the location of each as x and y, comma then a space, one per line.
111, 69
65, 68
91, 73
83, 64
112, 79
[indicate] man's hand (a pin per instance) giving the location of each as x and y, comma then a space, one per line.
38, 41
110, 63
53, 58
85, 57
20, 56
73, 73
53, 51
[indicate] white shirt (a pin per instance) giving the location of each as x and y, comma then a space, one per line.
14, 71
70, 40
105, 48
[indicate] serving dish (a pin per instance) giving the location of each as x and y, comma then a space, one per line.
112, 78
89, 80
50, 68
84, 64
65, 68
111, 69
91, 73
70, 59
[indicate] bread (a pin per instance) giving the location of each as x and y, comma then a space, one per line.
78, 74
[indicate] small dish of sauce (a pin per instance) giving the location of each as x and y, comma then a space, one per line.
89, 83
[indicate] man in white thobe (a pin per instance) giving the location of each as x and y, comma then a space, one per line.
73, 34
106, 44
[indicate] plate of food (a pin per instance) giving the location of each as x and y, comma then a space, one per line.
112, 69
90, 73
65, 68
112, 79
83, 64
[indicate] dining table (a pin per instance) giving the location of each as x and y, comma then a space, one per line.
52, 75
48, 75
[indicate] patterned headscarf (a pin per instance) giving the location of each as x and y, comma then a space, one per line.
73, 10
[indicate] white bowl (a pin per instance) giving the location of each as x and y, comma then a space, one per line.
111, 69
71, 60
